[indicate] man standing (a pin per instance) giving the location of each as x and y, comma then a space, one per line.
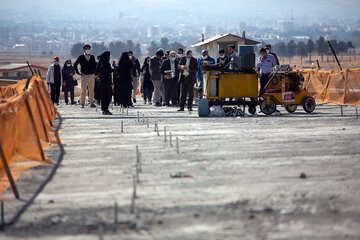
188, 66
155, 71
180, 53
88, 65
223, 60
265, 64
55, 79
135, 72
170, 73
205, 58
268, 51
234, 58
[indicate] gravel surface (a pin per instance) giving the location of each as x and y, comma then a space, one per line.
293, 176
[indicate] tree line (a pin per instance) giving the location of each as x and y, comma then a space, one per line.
306, 49
117, 47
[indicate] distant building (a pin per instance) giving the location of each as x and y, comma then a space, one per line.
19, 71
153, 31
286, 26
214, 44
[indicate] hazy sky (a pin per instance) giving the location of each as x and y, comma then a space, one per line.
203, 11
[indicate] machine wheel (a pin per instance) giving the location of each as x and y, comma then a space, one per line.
274, 81
252, 110
268, 109
309, 104
290, 108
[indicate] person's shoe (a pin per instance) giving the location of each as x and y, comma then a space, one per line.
82, 105
134, 100
181, 110
109, 113
105, 113
93, 106
149, 102
144, 101
73, 103
158, 105
190, 109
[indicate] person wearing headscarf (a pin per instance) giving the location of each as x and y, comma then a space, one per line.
68, 85
104, 73
123, 82
147, 85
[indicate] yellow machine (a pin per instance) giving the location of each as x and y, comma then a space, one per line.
240, 88
221, 88
285, 87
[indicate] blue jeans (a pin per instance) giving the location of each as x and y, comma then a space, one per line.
147, 94
201, 85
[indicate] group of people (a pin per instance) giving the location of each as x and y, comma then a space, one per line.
168, 75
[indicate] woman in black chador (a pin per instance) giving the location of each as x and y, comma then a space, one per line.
103, 71
122, 81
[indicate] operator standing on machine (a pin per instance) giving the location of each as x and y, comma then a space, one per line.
265, 64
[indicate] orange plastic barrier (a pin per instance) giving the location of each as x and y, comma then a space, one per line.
333, 86
26, 128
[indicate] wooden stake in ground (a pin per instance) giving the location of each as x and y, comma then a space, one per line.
8, 173
138, 160
122, 126
134, 187
2, 214
137, 173
138, 116
177, 145
101, 232
157, 130
171, 140
143, 118
341, 109
147, 122
357, 116
116, 213
165, 134
155, 126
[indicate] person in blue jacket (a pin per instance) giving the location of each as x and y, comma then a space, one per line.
205, 58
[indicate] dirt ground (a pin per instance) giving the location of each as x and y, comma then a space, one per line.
245, 180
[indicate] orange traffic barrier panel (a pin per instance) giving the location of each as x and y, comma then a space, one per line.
333, 86
26, 129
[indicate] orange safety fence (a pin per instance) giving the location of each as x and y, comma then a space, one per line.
26, 128
333, 86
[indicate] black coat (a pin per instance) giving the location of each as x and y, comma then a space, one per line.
167, 66
147, 83
136, 66
123, 83
87, 67
193, 68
